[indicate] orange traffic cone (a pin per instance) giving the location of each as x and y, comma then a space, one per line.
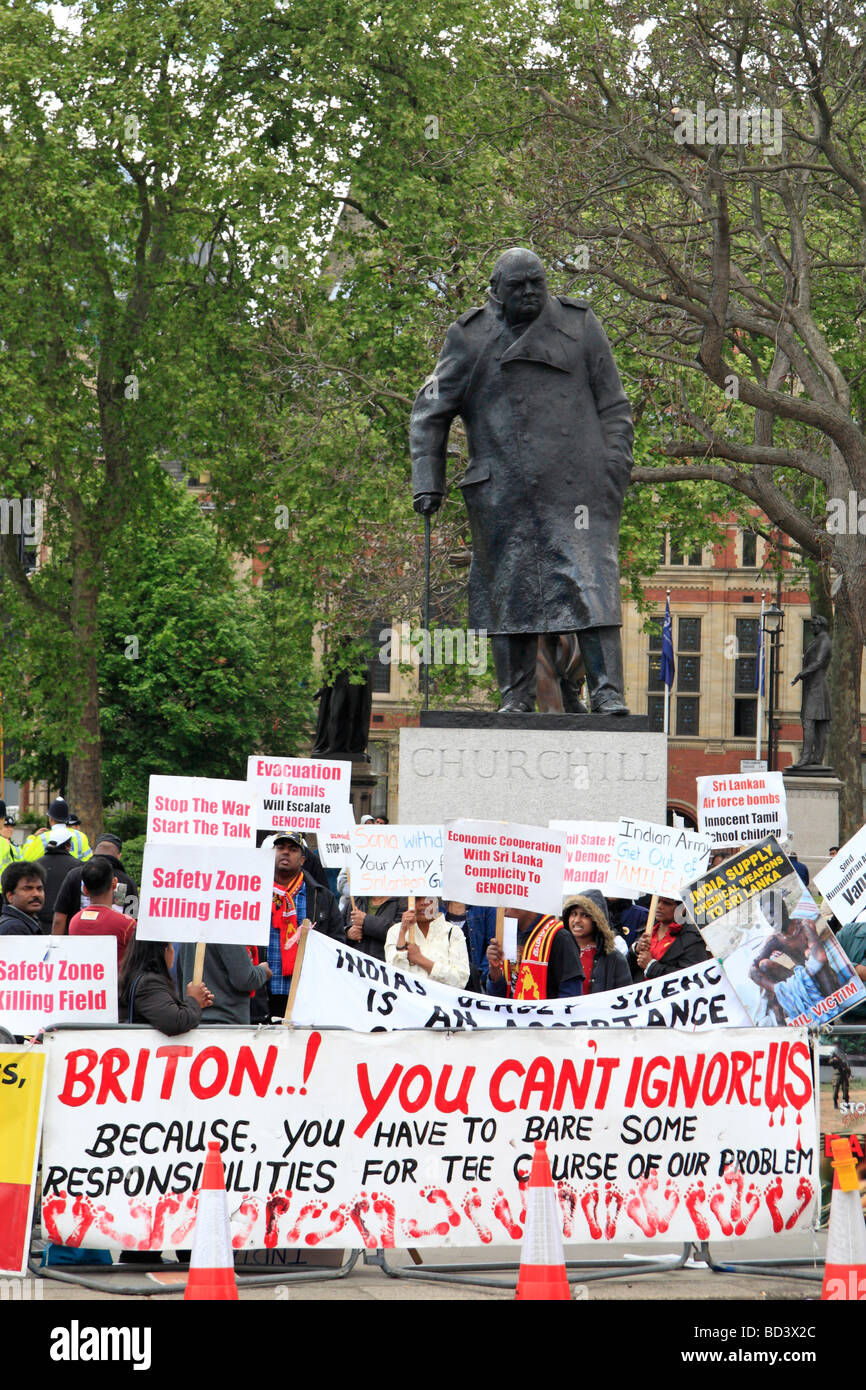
542, 1261
845, 1269
211, 1265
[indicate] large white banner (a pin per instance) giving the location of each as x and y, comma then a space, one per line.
843, 881
742, 808
650, 858
57, 979
425, 1138
199, 810
340, 987
205, 893
588, 847
498, 864
298, 793
396, 861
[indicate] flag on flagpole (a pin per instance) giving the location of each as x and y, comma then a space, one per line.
667, 661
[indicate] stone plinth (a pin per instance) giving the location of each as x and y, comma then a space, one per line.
813, 815
532, 768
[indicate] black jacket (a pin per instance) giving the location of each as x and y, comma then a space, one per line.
686, 949
14, 922
156, 1002
609, 971
57, 862
376, 924
322, 909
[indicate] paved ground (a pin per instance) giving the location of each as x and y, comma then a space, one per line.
367, 1282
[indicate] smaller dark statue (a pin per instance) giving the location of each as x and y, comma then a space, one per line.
343, 723
815, 707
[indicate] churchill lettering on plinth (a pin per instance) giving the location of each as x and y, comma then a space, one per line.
550, 434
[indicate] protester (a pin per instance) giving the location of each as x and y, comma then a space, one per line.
438, 951
801, 869
296, 896
58, 814
602, 966
672, 944
56, 861
852, 940
229, 974
626, 918
381, 820
101, 918
369, 922
9, 851
478, 925
23, 889
147, 993
841, 1066
548, 965
73, 897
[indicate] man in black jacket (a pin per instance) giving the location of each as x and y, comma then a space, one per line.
57, 861
23, 889
296, 896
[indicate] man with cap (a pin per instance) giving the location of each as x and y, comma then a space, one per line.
57, 860
296, 897
58, 814
73, 895
9, 851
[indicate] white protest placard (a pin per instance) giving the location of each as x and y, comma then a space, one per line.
46, 980
341, 987
742, 808
843, 881
334, 845
426, 1138
397, 861
650, 858
298, 793
206, 893
588, 848
199, 810
498, 864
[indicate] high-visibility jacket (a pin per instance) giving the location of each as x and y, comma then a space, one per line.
9, 852
79, 845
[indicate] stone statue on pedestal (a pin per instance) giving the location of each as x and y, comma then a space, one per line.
815, 707
550, 433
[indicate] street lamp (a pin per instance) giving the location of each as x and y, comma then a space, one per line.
774, 621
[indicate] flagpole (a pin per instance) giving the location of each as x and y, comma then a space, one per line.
667, 664
759, 678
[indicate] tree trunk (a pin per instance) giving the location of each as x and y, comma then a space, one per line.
844, 743
85, 762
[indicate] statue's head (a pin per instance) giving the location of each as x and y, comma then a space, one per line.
519, 285
820, 624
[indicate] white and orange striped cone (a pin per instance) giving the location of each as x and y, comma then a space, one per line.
542, 1260
211, 1265
845, 1268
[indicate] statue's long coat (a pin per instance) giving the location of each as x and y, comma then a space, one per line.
550, 432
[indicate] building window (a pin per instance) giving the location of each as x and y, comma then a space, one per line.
745, 673
749, 550
685, 717
676, 556
380, 672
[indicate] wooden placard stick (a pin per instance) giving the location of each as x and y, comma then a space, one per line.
650, 921
500, 925
349, 886
198, 964
306, 927
410, 935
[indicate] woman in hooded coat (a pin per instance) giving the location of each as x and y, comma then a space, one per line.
604, 967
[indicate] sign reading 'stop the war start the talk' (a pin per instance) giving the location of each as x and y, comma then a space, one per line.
196, 810
299, 793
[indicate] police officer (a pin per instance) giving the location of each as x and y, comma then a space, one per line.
58, 814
